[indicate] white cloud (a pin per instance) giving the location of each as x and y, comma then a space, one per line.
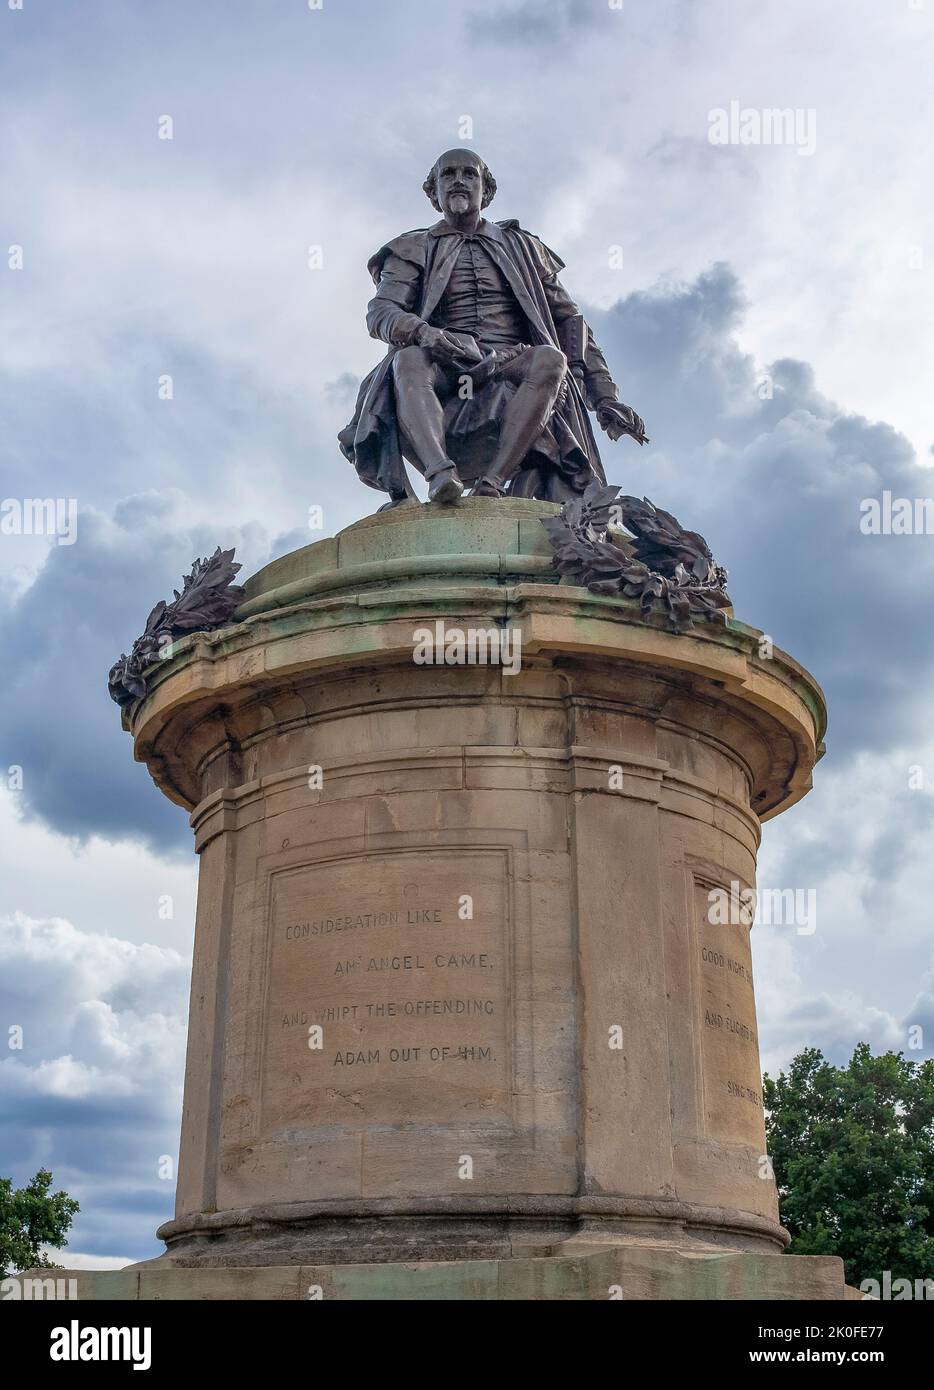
100, 1016
94, 1092
72, 1259
110, 891
860, 840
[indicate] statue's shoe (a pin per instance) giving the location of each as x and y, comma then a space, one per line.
486, 487
445, 487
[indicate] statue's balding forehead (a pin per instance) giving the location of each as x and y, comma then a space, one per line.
459, 157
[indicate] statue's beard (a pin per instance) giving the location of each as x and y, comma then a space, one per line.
458, 203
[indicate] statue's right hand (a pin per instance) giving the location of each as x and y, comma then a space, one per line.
450, 349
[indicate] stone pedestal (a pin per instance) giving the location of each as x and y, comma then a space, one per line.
628, 1271
455, 994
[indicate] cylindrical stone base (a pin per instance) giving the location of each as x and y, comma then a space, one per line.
458, 991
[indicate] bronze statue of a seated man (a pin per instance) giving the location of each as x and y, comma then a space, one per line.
491, 368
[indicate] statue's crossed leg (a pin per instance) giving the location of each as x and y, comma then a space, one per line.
421, 387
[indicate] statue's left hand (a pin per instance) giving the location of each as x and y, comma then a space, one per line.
618, 419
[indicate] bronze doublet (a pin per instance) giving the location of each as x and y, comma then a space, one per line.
478, 300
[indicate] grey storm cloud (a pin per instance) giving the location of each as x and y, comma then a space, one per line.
889, 846
119, 433
343, 391
534, 21
773, 473
921, 1015
901, 838
57, 644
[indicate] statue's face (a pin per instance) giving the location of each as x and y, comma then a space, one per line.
459, 175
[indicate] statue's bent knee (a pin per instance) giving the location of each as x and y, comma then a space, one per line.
411, 366
548, 365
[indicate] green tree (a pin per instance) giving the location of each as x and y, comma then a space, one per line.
852, 1149
31, 1217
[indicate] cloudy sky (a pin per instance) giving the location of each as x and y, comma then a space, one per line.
766, 307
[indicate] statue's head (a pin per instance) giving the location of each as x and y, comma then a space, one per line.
459, 182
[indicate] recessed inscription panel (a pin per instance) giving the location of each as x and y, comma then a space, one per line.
727, 1027
388, 999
